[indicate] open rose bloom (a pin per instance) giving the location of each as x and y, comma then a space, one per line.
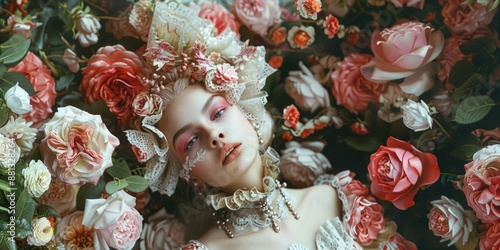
399, 170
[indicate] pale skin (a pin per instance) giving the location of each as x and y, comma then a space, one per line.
197, 120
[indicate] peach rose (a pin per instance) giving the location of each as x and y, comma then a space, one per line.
219, 16
146, 104
491, 238
141, 18
399, 170
350, 88
258, 15
114, 74
482, 183
367, 219
466, 18
44, 84
403, 50
115, 221
61, 196
77, 147
72, 234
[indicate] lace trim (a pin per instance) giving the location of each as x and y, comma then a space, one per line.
270, 161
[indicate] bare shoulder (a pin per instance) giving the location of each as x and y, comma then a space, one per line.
323, 196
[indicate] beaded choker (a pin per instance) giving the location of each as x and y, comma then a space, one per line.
252, 209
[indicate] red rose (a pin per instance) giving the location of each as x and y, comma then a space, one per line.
399, 170
114, 74
359, 128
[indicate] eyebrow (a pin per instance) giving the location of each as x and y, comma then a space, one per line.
188, 126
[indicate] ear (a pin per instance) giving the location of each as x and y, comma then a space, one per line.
197, 184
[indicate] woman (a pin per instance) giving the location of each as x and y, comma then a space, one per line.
212, 130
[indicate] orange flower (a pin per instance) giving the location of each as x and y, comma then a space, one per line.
278, 35
320, 125
287, 136
306, 133
301, 37
275, 61
331, 26
291, 115
308, 8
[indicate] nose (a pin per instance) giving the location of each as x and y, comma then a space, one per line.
216, 138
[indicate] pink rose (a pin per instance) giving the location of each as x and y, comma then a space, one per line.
399, 170
482, 183
450, 221
115, 221
419, 4
331, 26
367, 219
146, 104
396, 241
114, 75
258, 15
491, 238
72, 234
77, 147
219, 16
401, 51
225, 74
61, 196
488, 136
350, 88
466, 18
44, 84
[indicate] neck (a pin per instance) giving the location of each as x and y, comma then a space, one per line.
251, 178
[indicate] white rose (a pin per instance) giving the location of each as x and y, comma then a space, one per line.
18, 100
416, 115
487, 154
308, 94
447, 213
9, 152
163, 231
61, 196
301, 165
87, 26
42, 232
36, 178
22, 131
71, 60
116, 222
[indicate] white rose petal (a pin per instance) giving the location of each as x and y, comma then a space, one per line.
18, 100
42, 232
71, 60
36, 178
22, 132
416, 115
9, 152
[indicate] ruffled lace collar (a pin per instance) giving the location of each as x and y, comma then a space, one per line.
242, 197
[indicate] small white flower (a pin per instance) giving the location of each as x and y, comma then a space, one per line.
36, 178
417, 115
42, 232
18, 100
71, 60
87, 26
21, 131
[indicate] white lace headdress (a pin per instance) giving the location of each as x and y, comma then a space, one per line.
183, 46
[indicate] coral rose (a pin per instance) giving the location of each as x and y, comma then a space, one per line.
219, 16
466, 18
399, 170
350, 88
114, 75
482, 183
61, 196
77, 147
44, 85
115, 221
258, 15
367, 219
491, 238
291, 115
401, 51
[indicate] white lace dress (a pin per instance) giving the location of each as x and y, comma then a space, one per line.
333, 234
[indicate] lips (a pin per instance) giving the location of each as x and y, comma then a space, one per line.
229, 152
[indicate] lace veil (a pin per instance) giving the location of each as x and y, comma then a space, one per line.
183, 46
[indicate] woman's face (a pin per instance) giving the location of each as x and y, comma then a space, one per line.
200, 120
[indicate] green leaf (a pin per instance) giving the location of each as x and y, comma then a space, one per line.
25, 206
4, 186
46, 210
427, 136
471, 83
473, 109
119, 169
6, 243
137, 183
115, 185
4, 115
10, 79
466, 146
89, 191
365, 143
3, 69
483, 45
461, 71
23, 228
64, 81
14, 49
